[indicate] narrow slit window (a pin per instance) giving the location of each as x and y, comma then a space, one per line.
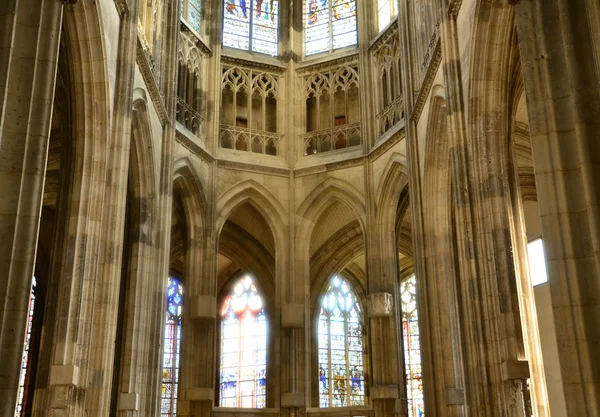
386, 11
412, 348
25, 362
171, 348
537, 262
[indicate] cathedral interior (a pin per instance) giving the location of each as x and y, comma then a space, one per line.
300, 208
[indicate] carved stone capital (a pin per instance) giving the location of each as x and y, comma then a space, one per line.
380, 304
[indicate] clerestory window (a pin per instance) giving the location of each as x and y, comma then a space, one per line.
251, 25
190, 12
341, 370
243, 376
386, 11
329, 25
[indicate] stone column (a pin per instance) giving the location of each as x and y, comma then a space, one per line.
559, 41
29, 43
388, 389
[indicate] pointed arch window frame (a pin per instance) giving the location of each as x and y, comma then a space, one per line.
224, 298
327, 289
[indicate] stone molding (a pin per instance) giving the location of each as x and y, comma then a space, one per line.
455, 396
427, 81
64, 375
148, 75
514, 369
199, 394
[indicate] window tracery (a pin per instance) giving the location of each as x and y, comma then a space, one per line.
332, 110
251, 25
243, 347
249, 111
25, 361
340, 344
412, 347
171, 348
329, 25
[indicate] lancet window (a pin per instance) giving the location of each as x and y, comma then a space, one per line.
329, 25
243, 347
171, 348
26, 360
249, 111
412, 347
340, 335
190, 12
251, 25
332, 110
386, 11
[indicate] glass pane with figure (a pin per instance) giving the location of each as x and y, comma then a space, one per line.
412, 347
171, 348
340, 347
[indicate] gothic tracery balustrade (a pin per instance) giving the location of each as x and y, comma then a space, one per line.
385, 56
332, 109
190, 111
249, 119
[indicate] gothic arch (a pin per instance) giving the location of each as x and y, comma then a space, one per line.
330, 190
260, 198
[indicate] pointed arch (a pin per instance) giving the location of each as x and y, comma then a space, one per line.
260, 198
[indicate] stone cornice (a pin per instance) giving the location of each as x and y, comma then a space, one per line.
247, 167
383, 37
148, 75
192, 146
194, 37
332, 63
248, 63
427, 81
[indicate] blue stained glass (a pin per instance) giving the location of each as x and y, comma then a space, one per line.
329, 25
171, 348
341, 372
251, 25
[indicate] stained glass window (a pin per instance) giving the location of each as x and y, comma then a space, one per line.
243, 347
341, 371
190, 12
386, 11
412, 347
329, 25
19, 411
251, 25
171, 348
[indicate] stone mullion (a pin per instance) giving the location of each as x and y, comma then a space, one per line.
385, 381
29, 56
558, 40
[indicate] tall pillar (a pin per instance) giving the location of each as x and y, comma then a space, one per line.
559, 41
29, 43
